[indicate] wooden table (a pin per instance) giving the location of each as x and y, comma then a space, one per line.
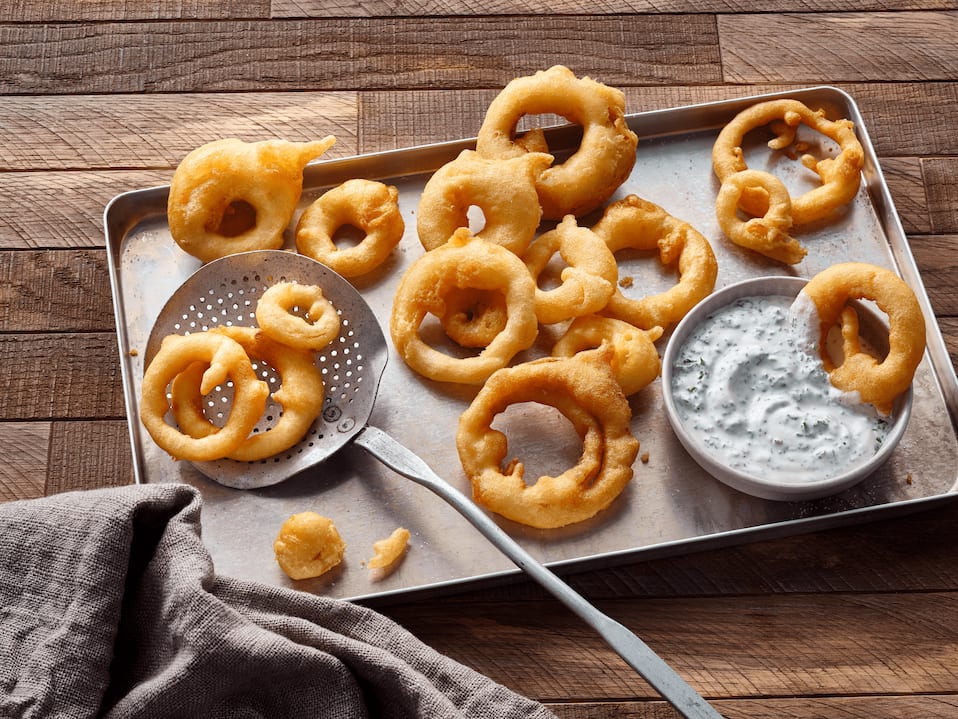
102, 97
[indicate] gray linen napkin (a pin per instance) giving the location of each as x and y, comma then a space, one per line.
109, 606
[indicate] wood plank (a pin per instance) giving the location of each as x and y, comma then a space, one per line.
941, 178
67, 290
156, 131
63, 209
60, 376
903, 175
24, 467
782, 646
896, 707
379, 8
435, 52
80, 10
854, 46
905, 118
937, 258
949, 329
89, 455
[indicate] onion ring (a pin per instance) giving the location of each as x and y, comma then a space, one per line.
584, 390
605, 155
767, 234
587, 282
639, 224
877, 382
634, 360
369, 206
225, 361
308, 545
274, 315
300, 394
840, 175
464, 261
505, 191
232, 196
473, 317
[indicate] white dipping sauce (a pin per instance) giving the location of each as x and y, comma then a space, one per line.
750, 388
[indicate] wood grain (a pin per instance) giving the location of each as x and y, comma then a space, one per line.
937, 257
67, 290
940, 175
89, 455
340, 54
905, 181
794, 47
57, 210
949, 328
60, 376
77, 132
24, 468
90, 10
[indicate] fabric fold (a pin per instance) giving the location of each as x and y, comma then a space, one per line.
110, 606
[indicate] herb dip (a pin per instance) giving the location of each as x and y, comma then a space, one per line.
750, 388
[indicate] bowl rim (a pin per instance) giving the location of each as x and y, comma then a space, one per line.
765, 488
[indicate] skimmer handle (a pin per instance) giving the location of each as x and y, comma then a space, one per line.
633, 650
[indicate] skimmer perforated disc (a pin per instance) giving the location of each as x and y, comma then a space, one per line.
224, 293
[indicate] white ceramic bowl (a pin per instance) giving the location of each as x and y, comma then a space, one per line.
767, 487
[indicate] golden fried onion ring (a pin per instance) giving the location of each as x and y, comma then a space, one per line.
588, 280
232, 196
300, 394
473, 317
369, 206
464, 261
604, 158
584, 390
840, 175
642, 225
225, 361
504, 190
275, 316
767, 234
308, 545
634, 360
877, 382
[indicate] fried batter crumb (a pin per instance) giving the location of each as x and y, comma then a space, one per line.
626, 282
644, 458
308, 545
388, 552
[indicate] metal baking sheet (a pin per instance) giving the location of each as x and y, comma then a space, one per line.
670, 507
